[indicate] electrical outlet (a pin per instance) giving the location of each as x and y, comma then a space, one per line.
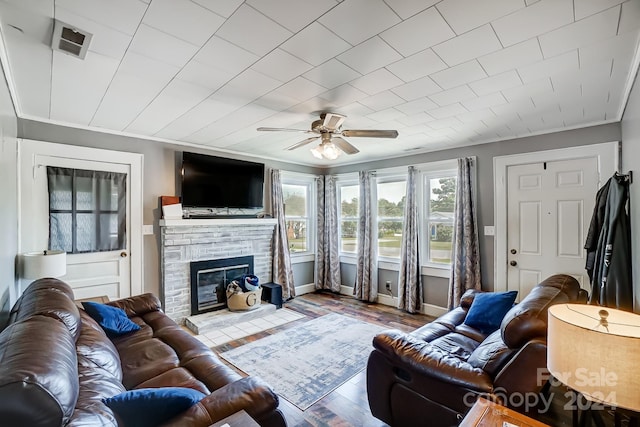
388, 285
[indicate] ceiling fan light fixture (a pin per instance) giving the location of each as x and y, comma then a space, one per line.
330, 151
317, 153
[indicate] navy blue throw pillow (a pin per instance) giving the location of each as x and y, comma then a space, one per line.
113, 320
488, 309
150, 407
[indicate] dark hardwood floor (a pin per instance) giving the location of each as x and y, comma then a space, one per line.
348, 405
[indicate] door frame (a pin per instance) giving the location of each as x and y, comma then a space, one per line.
607, 154
29, 150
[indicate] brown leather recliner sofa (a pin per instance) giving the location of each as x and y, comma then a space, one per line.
57, 364
433, 375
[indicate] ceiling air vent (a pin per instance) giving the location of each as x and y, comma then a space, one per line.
70, 40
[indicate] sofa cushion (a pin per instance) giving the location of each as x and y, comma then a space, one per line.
488, 310
149, 407
113, 320
491, 355
96, 350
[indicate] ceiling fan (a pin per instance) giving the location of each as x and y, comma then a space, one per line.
329, 129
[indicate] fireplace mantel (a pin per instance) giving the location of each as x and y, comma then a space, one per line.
216, 221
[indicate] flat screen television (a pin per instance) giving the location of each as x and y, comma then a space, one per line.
218, 182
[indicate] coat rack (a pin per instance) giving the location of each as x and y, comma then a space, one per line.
625, 177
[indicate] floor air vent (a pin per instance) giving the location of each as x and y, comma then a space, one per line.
70, 40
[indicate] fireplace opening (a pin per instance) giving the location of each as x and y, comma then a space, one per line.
209, 280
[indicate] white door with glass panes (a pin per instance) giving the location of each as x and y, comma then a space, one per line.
549, 206
98, 223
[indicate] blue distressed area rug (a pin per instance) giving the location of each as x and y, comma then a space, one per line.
305, 363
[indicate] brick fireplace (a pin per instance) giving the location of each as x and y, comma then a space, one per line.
189, 240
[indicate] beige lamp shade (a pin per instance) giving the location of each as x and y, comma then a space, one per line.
596, 351
36, 265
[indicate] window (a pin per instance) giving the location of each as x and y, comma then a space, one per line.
348, 194
440, 196
391, 196
297, 196
86, 210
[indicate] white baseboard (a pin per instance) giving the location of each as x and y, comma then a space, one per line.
305, 289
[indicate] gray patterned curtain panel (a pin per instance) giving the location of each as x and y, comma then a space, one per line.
327, 256
409, 277
465, 263
282, 272
366, 286
87, 210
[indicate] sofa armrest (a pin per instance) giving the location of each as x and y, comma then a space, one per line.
138, 305
526, 372
249, 393
421, 357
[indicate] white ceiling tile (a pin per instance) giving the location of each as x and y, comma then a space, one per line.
77, 87
121, 15
223, 8
343, 95
183, 19
582, 33
246, 87
382, 100
464, 15
161, 46
201, 115
417, 106
525, 91
512, 57
407, 8
417, 65
245, 116
444, 123
548, 67
530, 2
106, 41
468, 46
315, 44
369, 55
377, 81
629, 17
33, 22
458, 75
293, 14
253, 31
386, 115
358, 20
417, 89
415, 119
281, 65
236, 59
534, 20
496, 83
175, 100
586, 8
331, 74
476, 116
356, 109
450, 96
618, 47
521, 107
485, 101
204, 75
301, 89
448, 111
426, 28
276, 101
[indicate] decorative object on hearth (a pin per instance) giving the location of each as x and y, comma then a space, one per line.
594, 351
241, 299
329, 129
37, 265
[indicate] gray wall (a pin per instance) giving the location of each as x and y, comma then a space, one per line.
303, 273
485, 154
9, 192
631, 151
160, 175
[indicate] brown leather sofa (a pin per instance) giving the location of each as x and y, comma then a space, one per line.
57, 364
433, 375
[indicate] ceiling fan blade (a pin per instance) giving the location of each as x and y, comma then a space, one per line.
302, 143
370, 133
333, 121
263, 129
344, 145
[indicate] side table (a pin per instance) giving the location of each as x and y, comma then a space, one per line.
239, 419
272, 292
485, 413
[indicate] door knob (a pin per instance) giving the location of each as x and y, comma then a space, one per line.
513, 263
513, 251
123, 254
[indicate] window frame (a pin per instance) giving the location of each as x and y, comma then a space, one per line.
349, 257
308, 181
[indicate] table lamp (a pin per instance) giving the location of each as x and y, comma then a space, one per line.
596, 351
36, 265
